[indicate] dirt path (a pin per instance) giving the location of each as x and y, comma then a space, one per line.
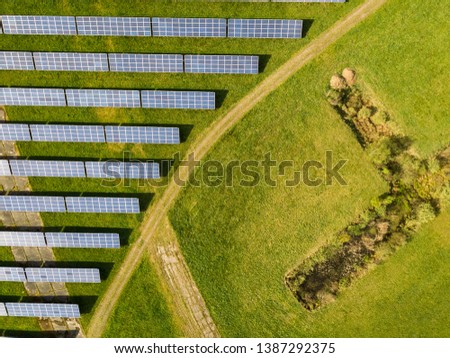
161, 205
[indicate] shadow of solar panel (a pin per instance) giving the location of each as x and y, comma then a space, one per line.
264, 28
116, 169
4, 168
3, 312
24, 239
178, 99
32, 96
16, 60
102, 205
47, 274
113, 26
42, 310
103, 98
189, 27
47, 168
12, 274
14, 132
149, 135
70, 61
39, 25
83, 240
225, 64
67, 133
32, 203
129, 62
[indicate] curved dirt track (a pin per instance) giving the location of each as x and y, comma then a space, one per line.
161, 205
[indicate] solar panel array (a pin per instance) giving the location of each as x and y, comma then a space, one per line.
178, 99
230, 64
83, 240
15, 96
113, 26
132, 62
14, 132
47, 168
47, 274
39, 25
16, 60
32, 203
189, 27
70, 61
12, 274
148, 135
116, 169
3, 309
42, 310
67, 133
265, 28
4, 168
102, 205
103, 98
19, 238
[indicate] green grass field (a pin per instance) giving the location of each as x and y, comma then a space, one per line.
239, 242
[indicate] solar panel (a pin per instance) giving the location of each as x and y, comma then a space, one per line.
178, 99
70, 61
14, 132
221, 64
12, 274
113, 26
32, 203
264, 28
189, 27
149, 135
32, 96
103, 98
116, 169
16, 60
130, 62
24, 239
102, 205
4, 168
3, 309
39, 25
47, 168
67, 133
42, 310
83, 240
46, 274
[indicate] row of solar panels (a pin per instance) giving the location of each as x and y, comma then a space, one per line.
78, 169
89, 133
69, 204
155, 26
59, 97
43, 310
50, 274
128, 62
60, 239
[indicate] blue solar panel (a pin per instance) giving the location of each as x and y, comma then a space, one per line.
12, 274
114, 26
20, 238
83, 240
150, 135
47, 168
39, 25
32, 96
117, 169
132, 62
189, 27
32, 203
67, 133
51, 274
70, 61
264, 28
3, 309
14, 132
103, 98
102, 205
5, 171
16, 60
42, 310
178, 99
221, 64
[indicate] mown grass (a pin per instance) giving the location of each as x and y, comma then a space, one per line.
230, 88
239, 242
